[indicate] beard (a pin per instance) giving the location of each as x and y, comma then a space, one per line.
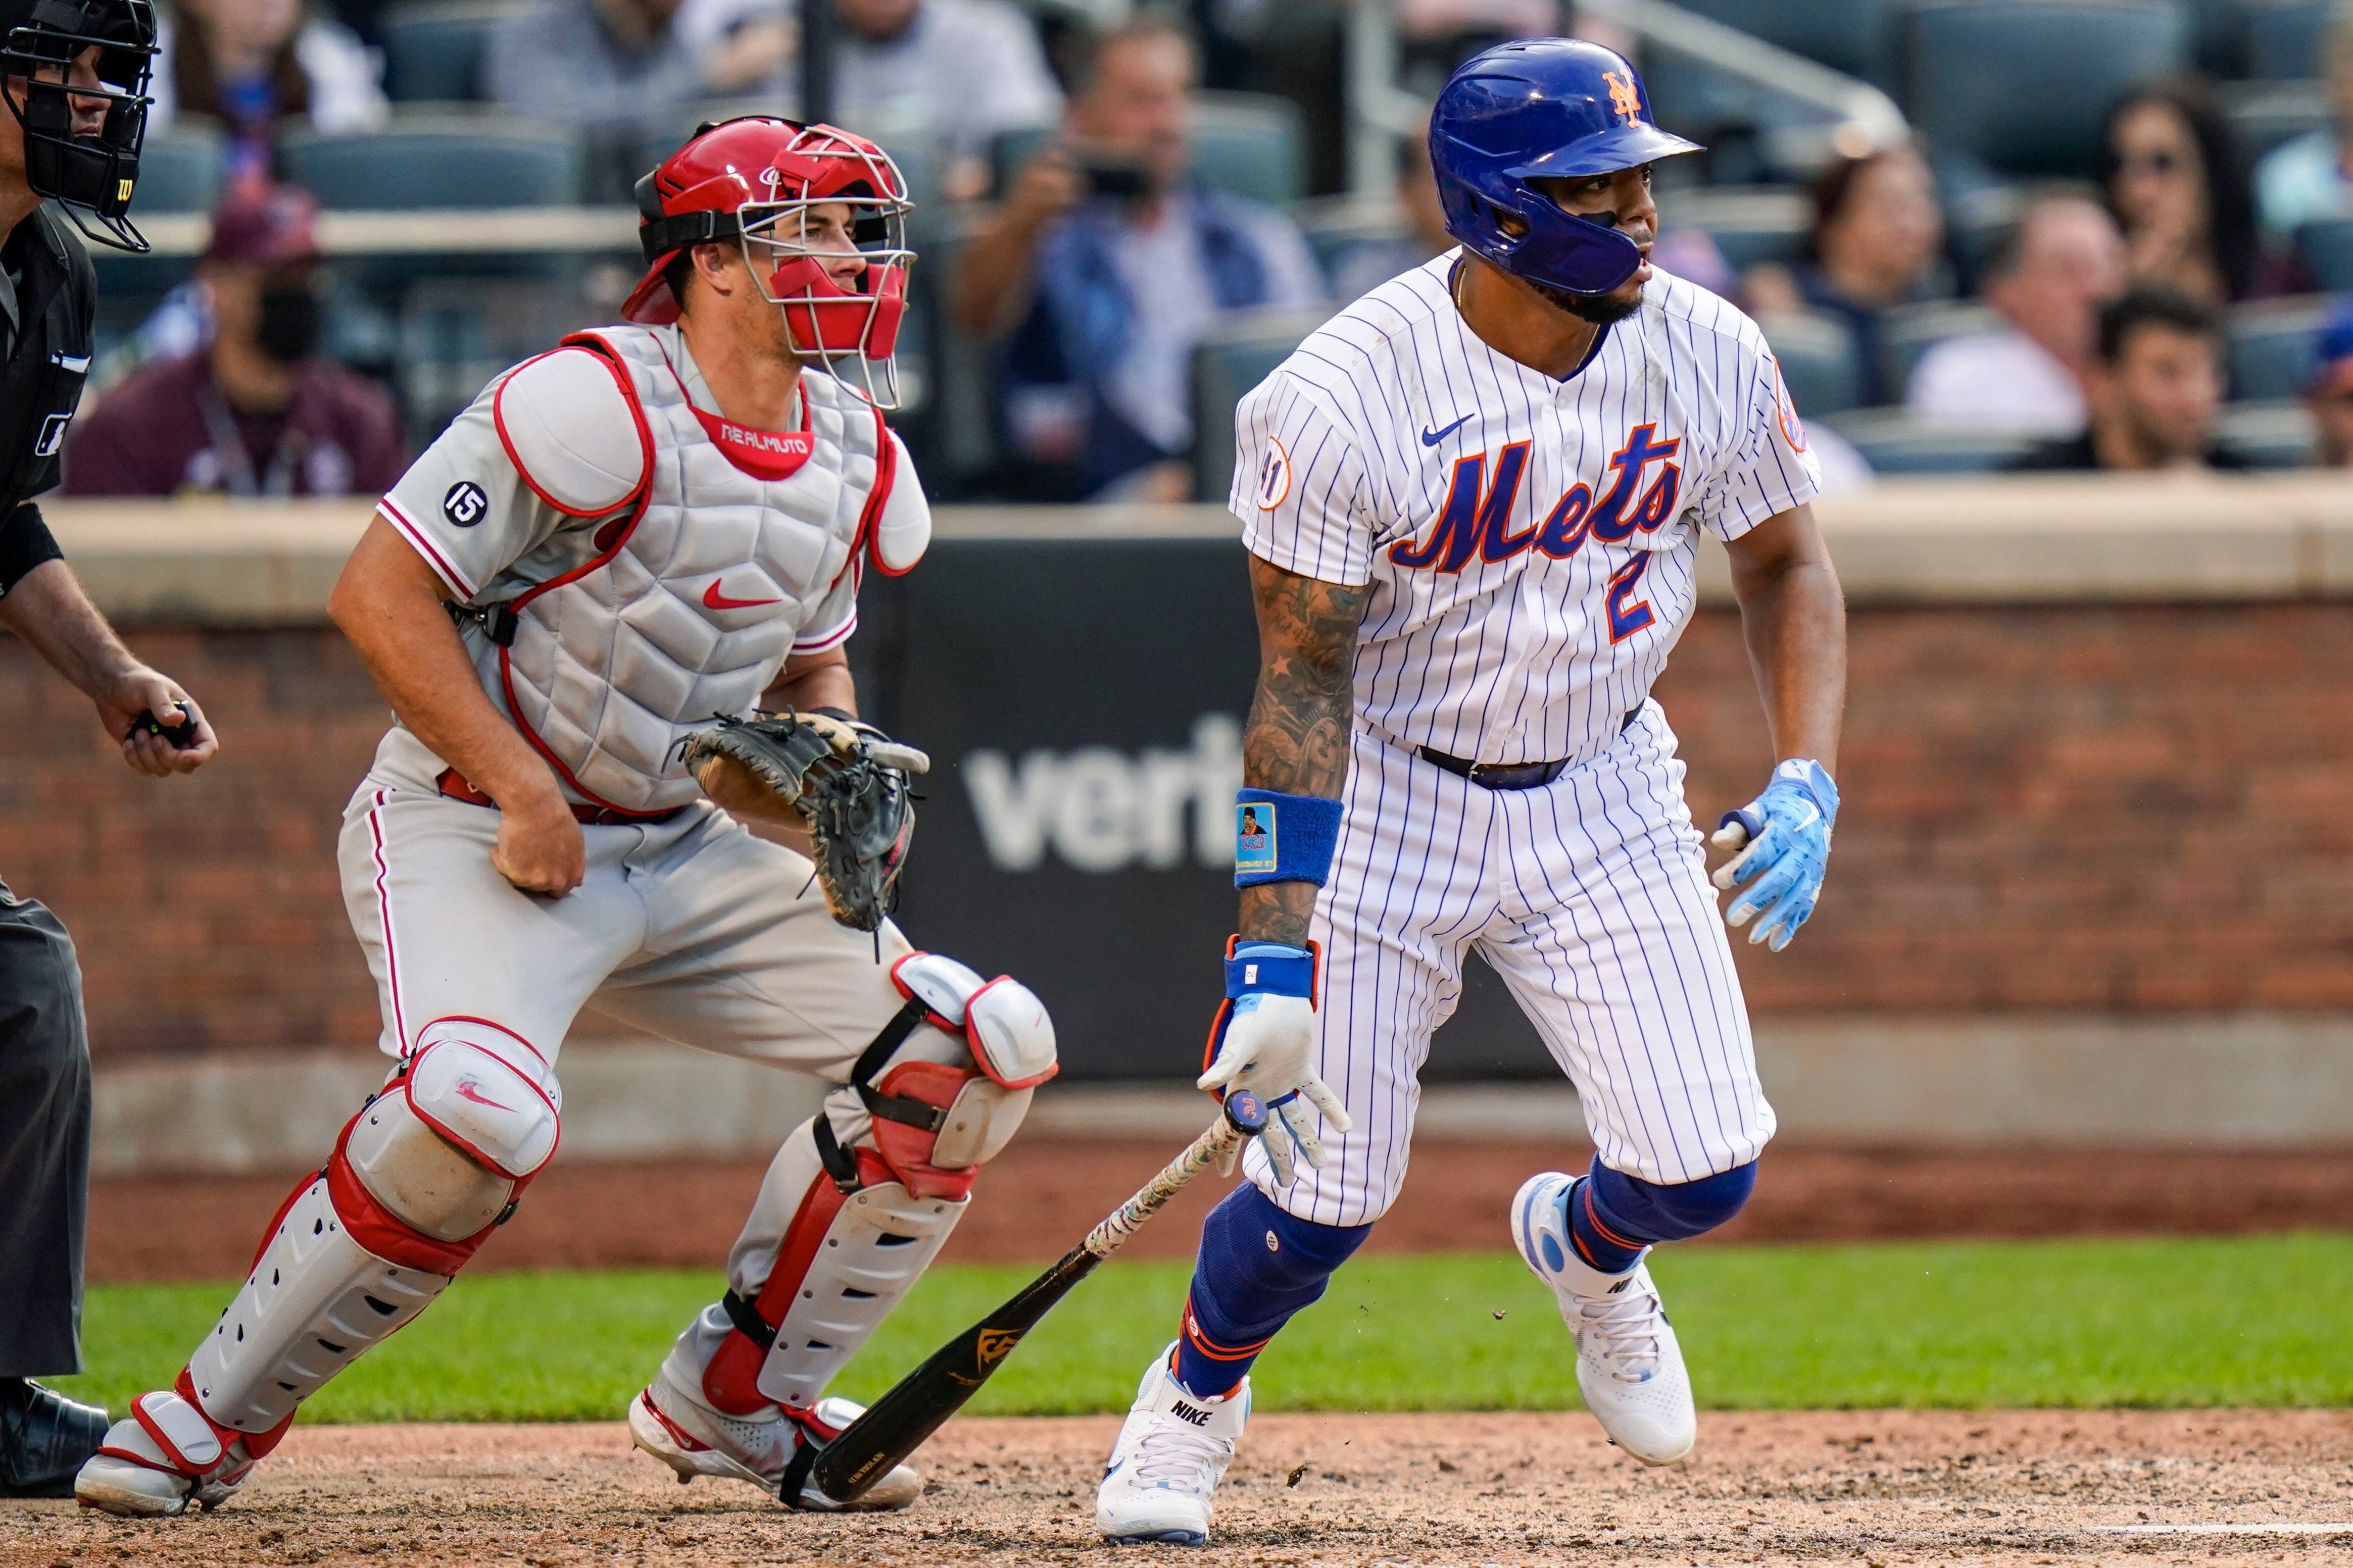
1602, 310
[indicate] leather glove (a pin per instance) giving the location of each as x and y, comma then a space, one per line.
1265, 1041
1783, 840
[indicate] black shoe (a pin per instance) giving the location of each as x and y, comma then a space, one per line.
44, 1438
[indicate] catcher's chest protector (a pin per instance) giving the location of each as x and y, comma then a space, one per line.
692, 596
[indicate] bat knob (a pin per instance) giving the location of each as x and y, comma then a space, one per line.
1245, 1113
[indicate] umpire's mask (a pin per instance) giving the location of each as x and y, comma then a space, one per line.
76, 77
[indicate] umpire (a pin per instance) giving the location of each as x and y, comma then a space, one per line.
74, 74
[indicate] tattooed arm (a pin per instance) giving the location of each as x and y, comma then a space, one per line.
1297, 741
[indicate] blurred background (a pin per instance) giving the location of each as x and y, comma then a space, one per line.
2057, 284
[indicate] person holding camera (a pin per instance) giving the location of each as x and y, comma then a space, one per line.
74, 76
1103, 267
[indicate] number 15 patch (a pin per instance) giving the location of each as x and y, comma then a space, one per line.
1253, 839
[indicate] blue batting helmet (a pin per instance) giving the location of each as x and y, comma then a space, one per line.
1557, 108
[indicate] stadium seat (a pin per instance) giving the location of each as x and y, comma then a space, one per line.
179, 170
2018, 87
1226, 365
1893, 442
2326, 249
1847, 35
452, 160
2270, 345
435, 52
1338, 225
2268, 434
1815, 351
1749, 224
1248, 144
1910, 330
2284, 38
2263, 114
2218, 30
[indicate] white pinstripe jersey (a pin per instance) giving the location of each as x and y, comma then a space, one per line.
1531, 542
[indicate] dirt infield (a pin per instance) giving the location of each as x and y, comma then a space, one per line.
1041, 1196
1866, 1489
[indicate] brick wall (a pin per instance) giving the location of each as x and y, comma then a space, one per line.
2136, 808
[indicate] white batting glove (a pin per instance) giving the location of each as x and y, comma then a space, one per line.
1265, 1041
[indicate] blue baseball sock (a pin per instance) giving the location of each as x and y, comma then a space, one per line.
1612, 1216
1257, 1266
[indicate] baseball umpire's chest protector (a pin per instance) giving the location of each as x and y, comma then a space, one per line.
627, 563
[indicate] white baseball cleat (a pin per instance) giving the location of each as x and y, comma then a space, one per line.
694, 1439
1170, 1456
1628, 1366
163, 1460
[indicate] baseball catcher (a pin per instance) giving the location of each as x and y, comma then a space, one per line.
580, 602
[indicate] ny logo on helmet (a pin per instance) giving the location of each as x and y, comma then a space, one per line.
1625, 97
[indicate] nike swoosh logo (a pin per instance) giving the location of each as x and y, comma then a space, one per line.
712, 599
466, 1089
1432, 437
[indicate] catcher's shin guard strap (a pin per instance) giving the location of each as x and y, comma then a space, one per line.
748, 1321
797, 1471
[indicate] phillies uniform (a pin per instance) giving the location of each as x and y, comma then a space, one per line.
625, 563
1532, 549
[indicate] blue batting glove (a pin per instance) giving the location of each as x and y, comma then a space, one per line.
1265, 1041
1784, 839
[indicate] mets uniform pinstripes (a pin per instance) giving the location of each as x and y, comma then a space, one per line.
1532, 545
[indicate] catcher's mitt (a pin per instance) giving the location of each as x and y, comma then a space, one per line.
844, 782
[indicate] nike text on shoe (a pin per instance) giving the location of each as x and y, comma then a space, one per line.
693, 1440
1628, 1366
1171, 1454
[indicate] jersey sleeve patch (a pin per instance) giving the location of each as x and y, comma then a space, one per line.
573, 434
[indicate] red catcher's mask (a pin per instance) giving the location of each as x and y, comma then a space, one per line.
797, 197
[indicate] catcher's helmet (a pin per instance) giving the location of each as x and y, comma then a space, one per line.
90, 174
756, 179
1542, 107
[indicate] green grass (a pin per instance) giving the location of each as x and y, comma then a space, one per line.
2250, 1321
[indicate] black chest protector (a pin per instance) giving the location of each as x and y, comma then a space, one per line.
49, 294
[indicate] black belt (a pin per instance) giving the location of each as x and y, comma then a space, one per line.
1510, 776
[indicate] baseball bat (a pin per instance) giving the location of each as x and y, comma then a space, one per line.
898, 1422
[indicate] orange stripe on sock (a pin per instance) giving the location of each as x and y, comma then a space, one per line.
1594, 1216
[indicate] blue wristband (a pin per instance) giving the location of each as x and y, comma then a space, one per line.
1284, 838
1272, 967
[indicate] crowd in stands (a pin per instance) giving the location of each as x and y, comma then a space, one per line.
1078, 259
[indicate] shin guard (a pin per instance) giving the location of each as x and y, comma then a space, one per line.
419, 1179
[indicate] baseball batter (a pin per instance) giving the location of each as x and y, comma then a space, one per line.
657, 523
1473, 503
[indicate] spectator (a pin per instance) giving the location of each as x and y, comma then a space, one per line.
1370, 263
1106, 266
2307, 179
2330, 393
2047, 279
1875, 239
257, 65
952, 73
2155, 393
256, 411
627, 74
2177, 189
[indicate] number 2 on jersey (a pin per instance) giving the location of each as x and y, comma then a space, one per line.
1625, 619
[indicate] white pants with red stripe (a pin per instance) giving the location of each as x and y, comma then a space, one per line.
691, 928
1590, 897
